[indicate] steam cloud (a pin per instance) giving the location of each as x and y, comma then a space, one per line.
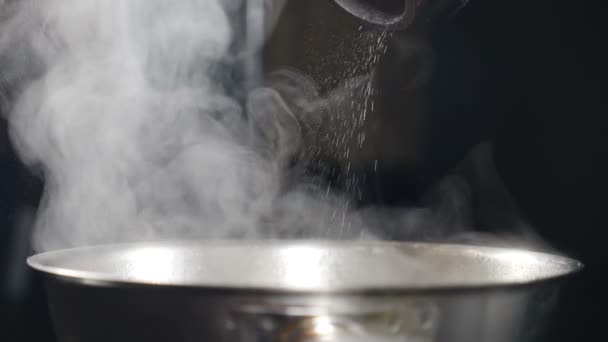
125, 109
135, 135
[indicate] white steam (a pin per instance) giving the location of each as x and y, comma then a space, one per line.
125, 109
136, 138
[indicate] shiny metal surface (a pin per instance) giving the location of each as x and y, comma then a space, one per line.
317, 266
312, 291
410, 320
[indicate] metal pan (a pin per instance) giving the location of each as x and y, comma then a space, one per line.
300, 291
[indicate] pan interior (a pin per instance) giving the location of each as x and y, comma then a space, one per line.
303, 266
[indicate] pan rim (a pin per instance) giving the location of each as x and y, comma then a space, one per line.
39, 262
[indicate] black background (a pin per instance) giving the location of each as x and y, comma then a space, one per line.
528, 76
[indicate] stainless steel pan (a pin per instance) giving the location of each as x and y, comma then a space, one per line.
300, 291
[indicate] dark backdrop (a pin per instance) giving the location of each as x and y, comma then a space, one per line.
529, 76
533, 73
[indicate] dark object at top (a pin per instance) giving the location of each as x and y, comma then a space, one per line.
396, 14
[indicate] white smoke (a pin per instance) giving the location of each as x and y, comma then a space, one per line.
135, 137
124, 109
